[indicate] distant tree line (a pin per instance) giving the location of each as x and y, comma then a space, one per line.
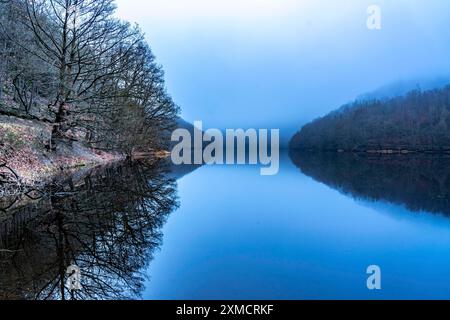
94, 78
417, 122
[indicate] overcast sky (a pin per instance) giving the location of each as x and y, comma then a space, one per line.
280, 63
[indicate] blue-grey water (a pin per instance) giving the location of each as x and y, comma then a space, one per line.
151, 231
239, 235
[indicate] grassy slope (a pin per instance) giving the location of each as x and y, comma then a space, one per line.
22, 146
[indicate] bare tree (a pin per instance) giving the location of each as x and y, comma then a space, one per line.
96, 74
87, 47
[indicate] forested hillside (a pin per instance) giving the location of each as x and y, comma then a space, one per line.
416, 122
88, 76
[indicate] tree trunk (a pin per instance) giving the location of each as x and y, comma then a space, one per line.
57, 131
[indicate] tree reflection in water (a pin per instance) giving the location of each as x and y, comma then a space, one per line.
420, 182
108, 224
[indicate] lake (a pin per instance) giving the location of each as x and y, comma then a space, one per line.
238, 235
226, 232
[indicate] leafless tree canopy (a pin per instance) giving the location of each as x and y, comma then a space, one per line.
72, 63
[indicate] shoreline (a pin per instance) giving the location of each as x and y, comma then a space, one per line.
25, 159
26, 166
376, 152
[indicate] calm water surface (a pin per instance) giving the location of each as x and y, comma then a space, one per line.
239, 235
225, 232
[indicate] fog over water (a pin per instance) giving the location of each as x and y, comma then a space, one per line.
272, 63
295, 224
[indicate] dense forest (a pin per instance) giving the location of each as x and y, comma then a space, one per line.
92, 78
416, 122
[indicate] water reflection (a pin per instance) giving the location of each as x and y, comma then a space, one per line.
107, 223
418, 182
